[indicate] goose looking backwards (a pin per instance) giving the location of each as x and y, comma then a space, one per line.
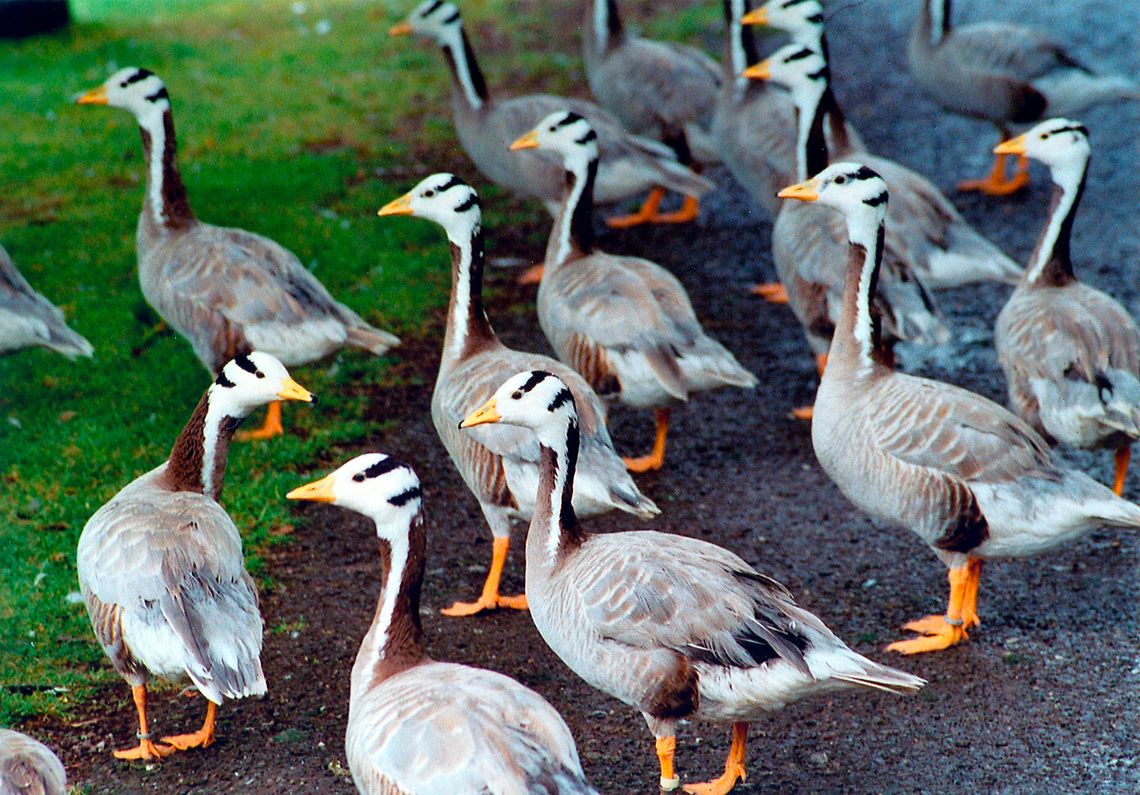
420, 726
661, 89
27, 319
1071, 354
28, 767
500, 464
624, 323
631, 165
676, 627
227, 291
161, 567
1006, 74
973, 480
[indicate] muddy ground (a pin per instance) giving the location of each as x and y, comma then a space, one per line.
1043, 697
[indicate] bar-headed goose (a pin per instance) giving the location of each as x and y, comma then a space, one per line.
28, 320
673, 626
630, 166
662, 89
1071, 353
926, 233
973, 480
420, 726
500, 464
624, 323
28, 767
227, 291
1003, 73
161, 568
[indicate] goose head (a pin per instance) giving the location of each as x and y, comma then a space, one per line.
140, 91
252, 380
851, 188
433, 19
802, 70
564, 133
796, 17
443, 198
537, 400
375, 485
1061, 144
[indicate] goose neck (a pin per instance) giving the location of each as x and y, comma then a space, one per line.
573, 232
466, 76
197, 461
811, 144
1051, 263
933, 22
395, 641
554, 528
857, 343
468, 329
606, 29
166, 203
740, 48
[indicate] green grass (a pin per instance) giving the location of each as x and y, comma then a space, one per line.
281, 131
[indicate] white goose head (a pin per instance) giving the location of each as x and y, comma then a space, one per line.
375, 485
851, 188
802, 70
138, 90
445, 199
249, 381
433, 19
1061, 144
565, 133
800, 18
537, 400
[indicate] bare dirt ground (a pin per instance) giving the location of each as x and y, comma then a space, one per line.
1043, 697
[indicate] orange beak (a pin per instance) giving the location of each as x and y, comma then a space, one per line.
527, 141
400, 29
759, 71
96, 96
804, 191
400, 206
317, 491
487, 413
758, 16
1014, 146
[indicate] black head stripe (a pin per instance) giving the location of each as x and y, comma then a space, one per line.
1078, 128
471, 201
245, 363
816, 19
141, 74
562, 397
799, 55
222, 381
585, 139
877, 200
404, 497
569, 118
453, 18
162, 93
383, 467
536, 378
432, 8
794, 3
864, 173
451, 183
822, 74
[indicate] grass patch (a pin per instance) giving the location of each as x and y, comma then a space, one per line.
284, 120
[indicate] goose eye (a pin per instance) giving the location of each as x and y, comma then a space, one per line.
553, 128
358, 477
123, 84
516, 395
259, 374
840, 179
1044, 136
428, 194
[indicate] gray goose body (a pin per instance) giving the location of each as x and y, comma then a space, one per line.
486, 125
676, 627
970, 478
27, 319
227, 291
160, 565
421, 727
1071, 354
28, 767
1003, 73
661, 89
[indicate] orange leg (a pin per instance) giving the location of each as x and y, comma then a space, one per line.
146, 749
532, 275
1122, 456
650, 214
203, 738
772, 292
808, 412
951, 630
996, 183
733, 766
656, 458
666, 746
271, 428
490, 599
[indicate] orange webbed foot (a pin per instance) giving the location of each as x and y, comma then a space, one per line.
146, 750
464, 609
184, 742
948, 635
271, 428
532, 275
803, 413
772, 292
644, 463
